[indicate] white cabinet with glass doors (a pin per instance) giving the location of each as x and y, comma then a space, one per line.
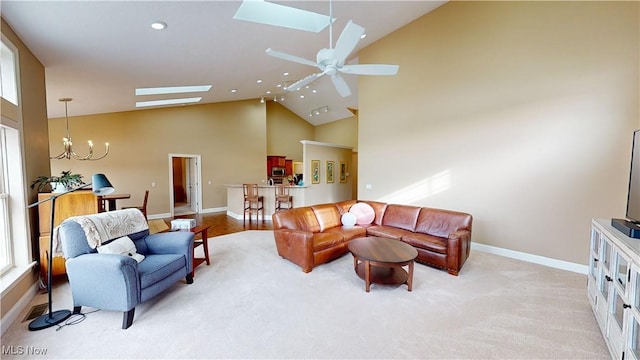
614, 288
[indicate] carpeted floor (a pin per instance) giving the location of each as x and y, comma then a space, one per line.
250, 303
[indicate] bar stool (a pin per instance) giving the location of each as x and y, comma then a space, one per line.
283, 197
252, 202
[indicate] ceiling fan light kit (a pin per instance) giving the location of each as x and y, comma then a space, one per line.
331, 61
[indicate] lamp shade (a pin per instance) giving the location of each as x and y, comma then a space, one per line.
101, 185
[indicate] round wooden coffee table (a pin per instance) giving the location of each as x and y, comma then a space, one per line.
380, 260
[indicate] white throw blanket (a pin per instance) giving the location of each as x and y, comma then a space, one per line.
104, 226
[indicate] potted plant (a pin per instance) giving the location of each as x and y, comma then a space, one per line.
66, 181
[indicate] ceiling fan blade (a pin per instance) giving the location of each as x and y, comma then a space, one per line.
347, 41
285, 56
341, 85
370, 69
304, 81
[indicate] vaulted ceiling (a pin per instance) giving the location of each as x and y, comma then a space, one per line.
99, 52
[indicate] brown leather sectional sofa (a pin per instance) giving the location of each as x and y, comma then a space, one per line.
313, 235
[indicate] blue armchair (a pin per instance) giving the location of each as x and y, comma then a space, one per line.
118, 282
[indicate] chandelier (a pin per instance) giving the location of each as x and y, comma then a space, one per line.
68, 152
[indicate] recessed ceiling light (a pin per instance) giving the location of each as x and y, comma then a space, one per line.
286, 74
159, 25
314, 91
301, 96
167, 102
172, 90
279, 85
259, 81
363, 36
268, 92
234, 90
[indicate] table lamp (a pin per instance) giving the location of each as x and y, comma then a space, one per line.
100, 186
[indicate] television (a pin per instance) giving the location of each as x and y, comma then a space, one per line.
631, 225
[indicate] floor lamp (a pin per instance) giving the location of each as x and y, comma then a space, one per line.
101, 186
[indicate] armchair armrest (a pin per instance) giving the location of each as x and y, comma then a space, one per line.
174, 242
104, 281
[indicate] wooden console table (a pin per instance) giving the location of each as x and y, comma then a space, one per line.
82, 202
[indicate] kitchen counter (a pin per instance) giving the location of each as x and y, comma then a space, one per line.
235, 197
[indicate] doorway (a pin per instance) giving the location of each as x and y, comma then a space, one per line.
185, 190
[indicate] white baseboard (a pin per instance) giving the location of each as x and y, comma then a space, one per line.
213, 210
12, 315
204, 211
239, 216
536, 259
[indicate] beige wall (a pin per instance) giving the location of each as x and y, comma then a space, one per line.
519, 113
284, 132
342, 132
34, 127
230, 137
325, 191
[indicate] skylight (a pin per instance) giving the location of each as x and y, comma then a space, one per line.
167, 102
172, 90
279, 15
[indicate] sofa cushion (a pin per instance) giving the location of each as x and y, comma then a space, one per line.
387, 231
302, 218
427, 242
326, 240
159, 266
441, 223
401, 216
344, 206
349, 233
327, 215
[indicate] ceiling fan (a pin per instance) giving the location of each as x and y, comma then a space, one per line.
331, 61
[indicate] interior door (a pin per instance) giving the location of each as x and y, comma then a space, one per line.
192, 182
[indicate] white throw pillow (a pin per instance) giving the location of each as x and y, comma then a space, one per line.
121, 246
348, 220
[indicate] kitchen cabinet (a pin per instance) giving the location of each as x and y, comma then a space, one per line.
276, 161
288, 166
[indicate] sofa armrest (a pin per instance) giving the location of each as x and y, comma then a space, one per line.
104, 281
458, 248
461, 235
296, 246
174, 242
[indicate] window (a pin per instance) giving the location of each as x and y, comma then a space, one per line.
8, 87
6, 252
14, 241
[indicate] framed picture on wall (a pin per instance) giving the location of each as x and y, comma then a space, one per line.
343, 171
330, 166
315, 171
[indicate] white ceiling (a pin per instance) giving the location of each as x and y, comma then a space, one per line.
98, 52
